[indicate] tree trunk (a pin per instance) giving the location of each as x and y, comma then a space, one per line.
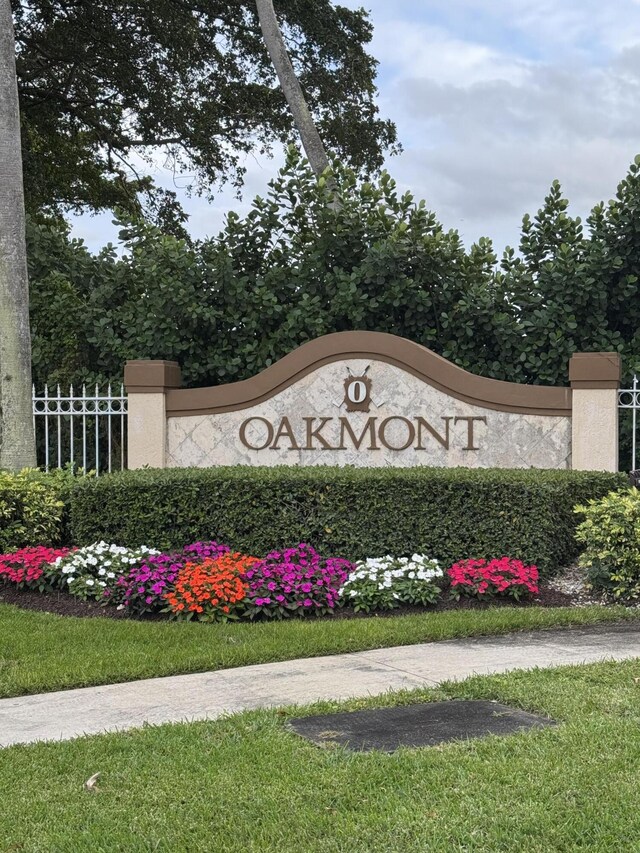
303, 120
17, 442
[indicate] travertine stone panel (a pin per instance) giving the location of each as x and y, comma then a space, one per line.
147, 430
595, 429
504, 439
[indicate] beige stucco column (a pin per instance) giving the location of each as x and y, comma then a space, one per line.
595, 379
147, 382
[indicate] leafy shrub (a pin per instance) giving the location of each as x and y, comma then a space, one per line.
143, 588
213, 590
93, 571
610, 533
489, 578
446, 513
386, 582
295, 581
378, 261
32, 509
26, 567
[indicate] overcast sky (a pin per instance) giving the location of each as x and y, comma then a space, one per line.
493, 99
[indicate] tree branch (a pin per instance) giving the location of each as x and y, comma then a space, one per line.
314, 149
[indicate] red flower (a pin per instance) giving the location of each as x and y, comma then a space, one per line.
26, 566
503, 576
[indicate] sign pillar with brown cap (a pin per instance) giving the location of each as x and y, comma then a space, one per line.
595, 379
371, 399
147, 384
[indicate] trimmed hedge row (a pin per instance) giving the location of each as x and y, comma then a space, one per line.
449, 514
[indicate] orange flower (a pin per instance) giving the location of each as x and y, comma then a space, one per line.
214, 588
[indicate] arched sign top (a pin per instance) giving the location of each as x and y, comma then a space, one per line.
343, 346
369, 399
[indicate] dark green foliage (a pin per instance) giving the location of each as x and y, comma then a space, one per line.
104, 83
297, 267
449, 514
294, 269
574, 292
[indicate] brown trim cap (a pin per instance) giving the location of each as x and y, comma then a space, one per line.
376, 346
595, 370
148, 376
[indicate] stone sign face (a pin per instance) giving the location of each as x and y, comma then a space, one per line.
370, 399
395, 419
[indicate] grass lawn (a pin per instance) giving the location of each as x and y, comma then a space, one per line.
249, 784
41, 652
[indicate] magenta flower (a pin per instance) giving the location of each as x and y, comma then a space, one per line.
296, 579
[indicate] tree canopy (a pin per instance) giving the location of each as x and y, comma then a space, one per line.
103, 83
295, 268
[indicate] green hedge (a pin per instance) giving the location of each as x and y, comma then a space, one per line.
448, 513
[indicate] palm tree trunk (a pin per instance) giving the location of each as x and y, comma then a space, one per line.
303, 120
17, 442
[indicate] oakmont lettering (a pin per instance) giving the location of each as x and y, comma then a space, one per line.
328, 433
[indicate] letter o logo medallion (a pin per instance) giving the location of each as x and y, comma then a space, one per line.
357, 393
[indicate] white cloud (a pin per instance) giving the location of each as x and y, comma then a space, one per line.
486, 133
409, 49
484, 190
493, 100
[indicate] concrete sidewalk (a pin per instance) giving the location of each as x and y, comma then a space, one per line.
91, 710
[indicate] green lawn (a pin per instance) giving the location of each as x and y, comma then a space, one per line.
249, 784
41, 652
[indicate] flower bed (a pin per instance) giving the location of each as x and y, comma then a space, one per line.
144, 588
206, 581
94, 571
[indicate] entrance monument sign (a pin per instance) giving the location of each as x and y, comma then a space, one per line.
373, 399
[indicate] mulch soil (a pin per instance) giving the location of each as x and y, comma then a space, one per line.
64, 604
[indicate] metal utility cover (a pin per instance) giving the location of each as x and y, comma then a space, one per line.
426, 724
